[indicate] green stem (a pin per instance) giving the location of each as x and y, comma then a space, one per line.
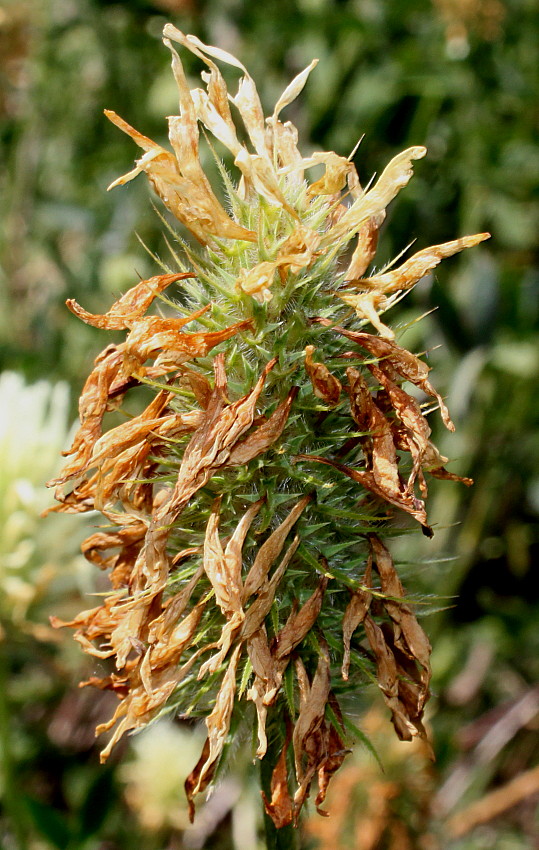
12, 799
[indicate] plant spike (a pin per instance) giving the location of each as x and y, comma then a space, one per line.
280, 435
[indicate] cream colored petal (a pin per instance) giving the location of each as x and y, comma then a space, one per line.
410, 272
218, 722
394, 177
292, 90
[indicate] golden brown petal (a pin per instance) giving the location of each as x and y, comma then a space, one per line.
403, 500
281, 807
406, 364
265, 435
130, 306
325, 385
365, 251
300, 622
410, 272
154, 336
94, 401
356, 611
218, 722
271, 549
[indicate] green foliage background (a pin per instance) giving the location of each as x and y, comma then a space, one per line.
459, 77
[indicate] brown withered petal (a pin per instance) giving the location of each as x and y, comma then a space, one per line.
300, 622
356, 611
94, 401
386, 675
130, 433
194, 780
179, 180
265, 435
161, 627
405, 501
335, 754
212, 443
130, 306
224, 573
152, 335
410, 272
325, 385
199, 385
218, 722
382, 458
271, 549
281, 807
406, 364
260, 607
410, 638
313, 699
266, 682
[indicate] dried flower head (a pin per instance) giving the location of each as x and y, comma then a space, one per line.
244, 506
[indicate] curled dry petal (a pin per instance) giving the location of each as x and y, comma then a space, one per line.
372, 203
218, 724
325, 385
281, 806
260, 607
406, 364
177, 181
271, 549
383, 461
410, 272
403, 500
96, 398
130, 306
412, 639
356, 611
365, 250
265, 435
300, 622
152, 335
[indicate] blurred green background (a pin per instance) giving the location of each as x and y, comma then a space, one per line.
459, 76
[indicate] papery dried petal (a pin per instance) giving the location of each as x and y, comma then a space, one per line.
300, 622
410, 272
334, 177
406, 364
394, 177
260, 607
356, 611
292, 90
365, 250
130, 306
414, 641
281, 807
218, 722
94, 401
325, 385
310, 732
265, 435
404, 500
271, 549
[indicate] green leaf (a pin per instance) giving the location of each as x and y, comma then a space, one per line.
98, 802
49, 823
